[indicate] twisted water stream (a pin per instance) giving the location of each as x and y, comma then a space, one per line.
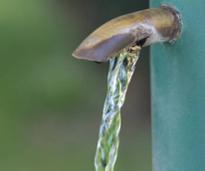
120, 73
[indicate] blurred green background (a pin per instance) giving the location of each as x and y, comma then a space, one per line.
51, 103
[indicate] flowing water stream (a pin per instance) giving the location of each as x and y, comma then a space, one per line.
120, 73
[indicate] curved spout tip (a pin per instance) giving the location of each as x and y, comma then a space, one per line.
102, 50
77, 54
87, 54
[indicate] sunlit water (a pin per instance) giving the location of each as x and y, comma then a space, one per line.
120, 72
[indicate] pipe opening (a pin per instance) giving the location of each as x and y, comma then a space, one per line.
141, 42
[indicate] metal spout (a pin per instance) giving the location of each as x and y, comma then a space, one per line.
140, 28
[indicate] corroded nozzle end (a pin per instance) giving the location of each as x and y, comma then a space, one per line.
176, 29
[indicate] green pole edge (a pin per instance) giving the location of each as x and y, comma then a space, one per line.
178, 93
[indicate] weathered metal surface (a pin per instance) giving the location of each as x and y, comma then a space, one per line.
154, 25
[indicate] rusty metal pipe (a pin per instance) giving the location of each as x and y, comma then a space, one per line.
141, 28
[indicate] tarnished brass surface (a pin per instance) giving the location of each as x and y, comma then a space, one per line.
152, 25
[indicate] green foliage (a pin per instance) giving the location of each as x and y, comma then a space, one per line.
47, 98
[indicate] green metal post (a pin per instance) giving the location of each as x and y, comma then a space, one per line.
178, 93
